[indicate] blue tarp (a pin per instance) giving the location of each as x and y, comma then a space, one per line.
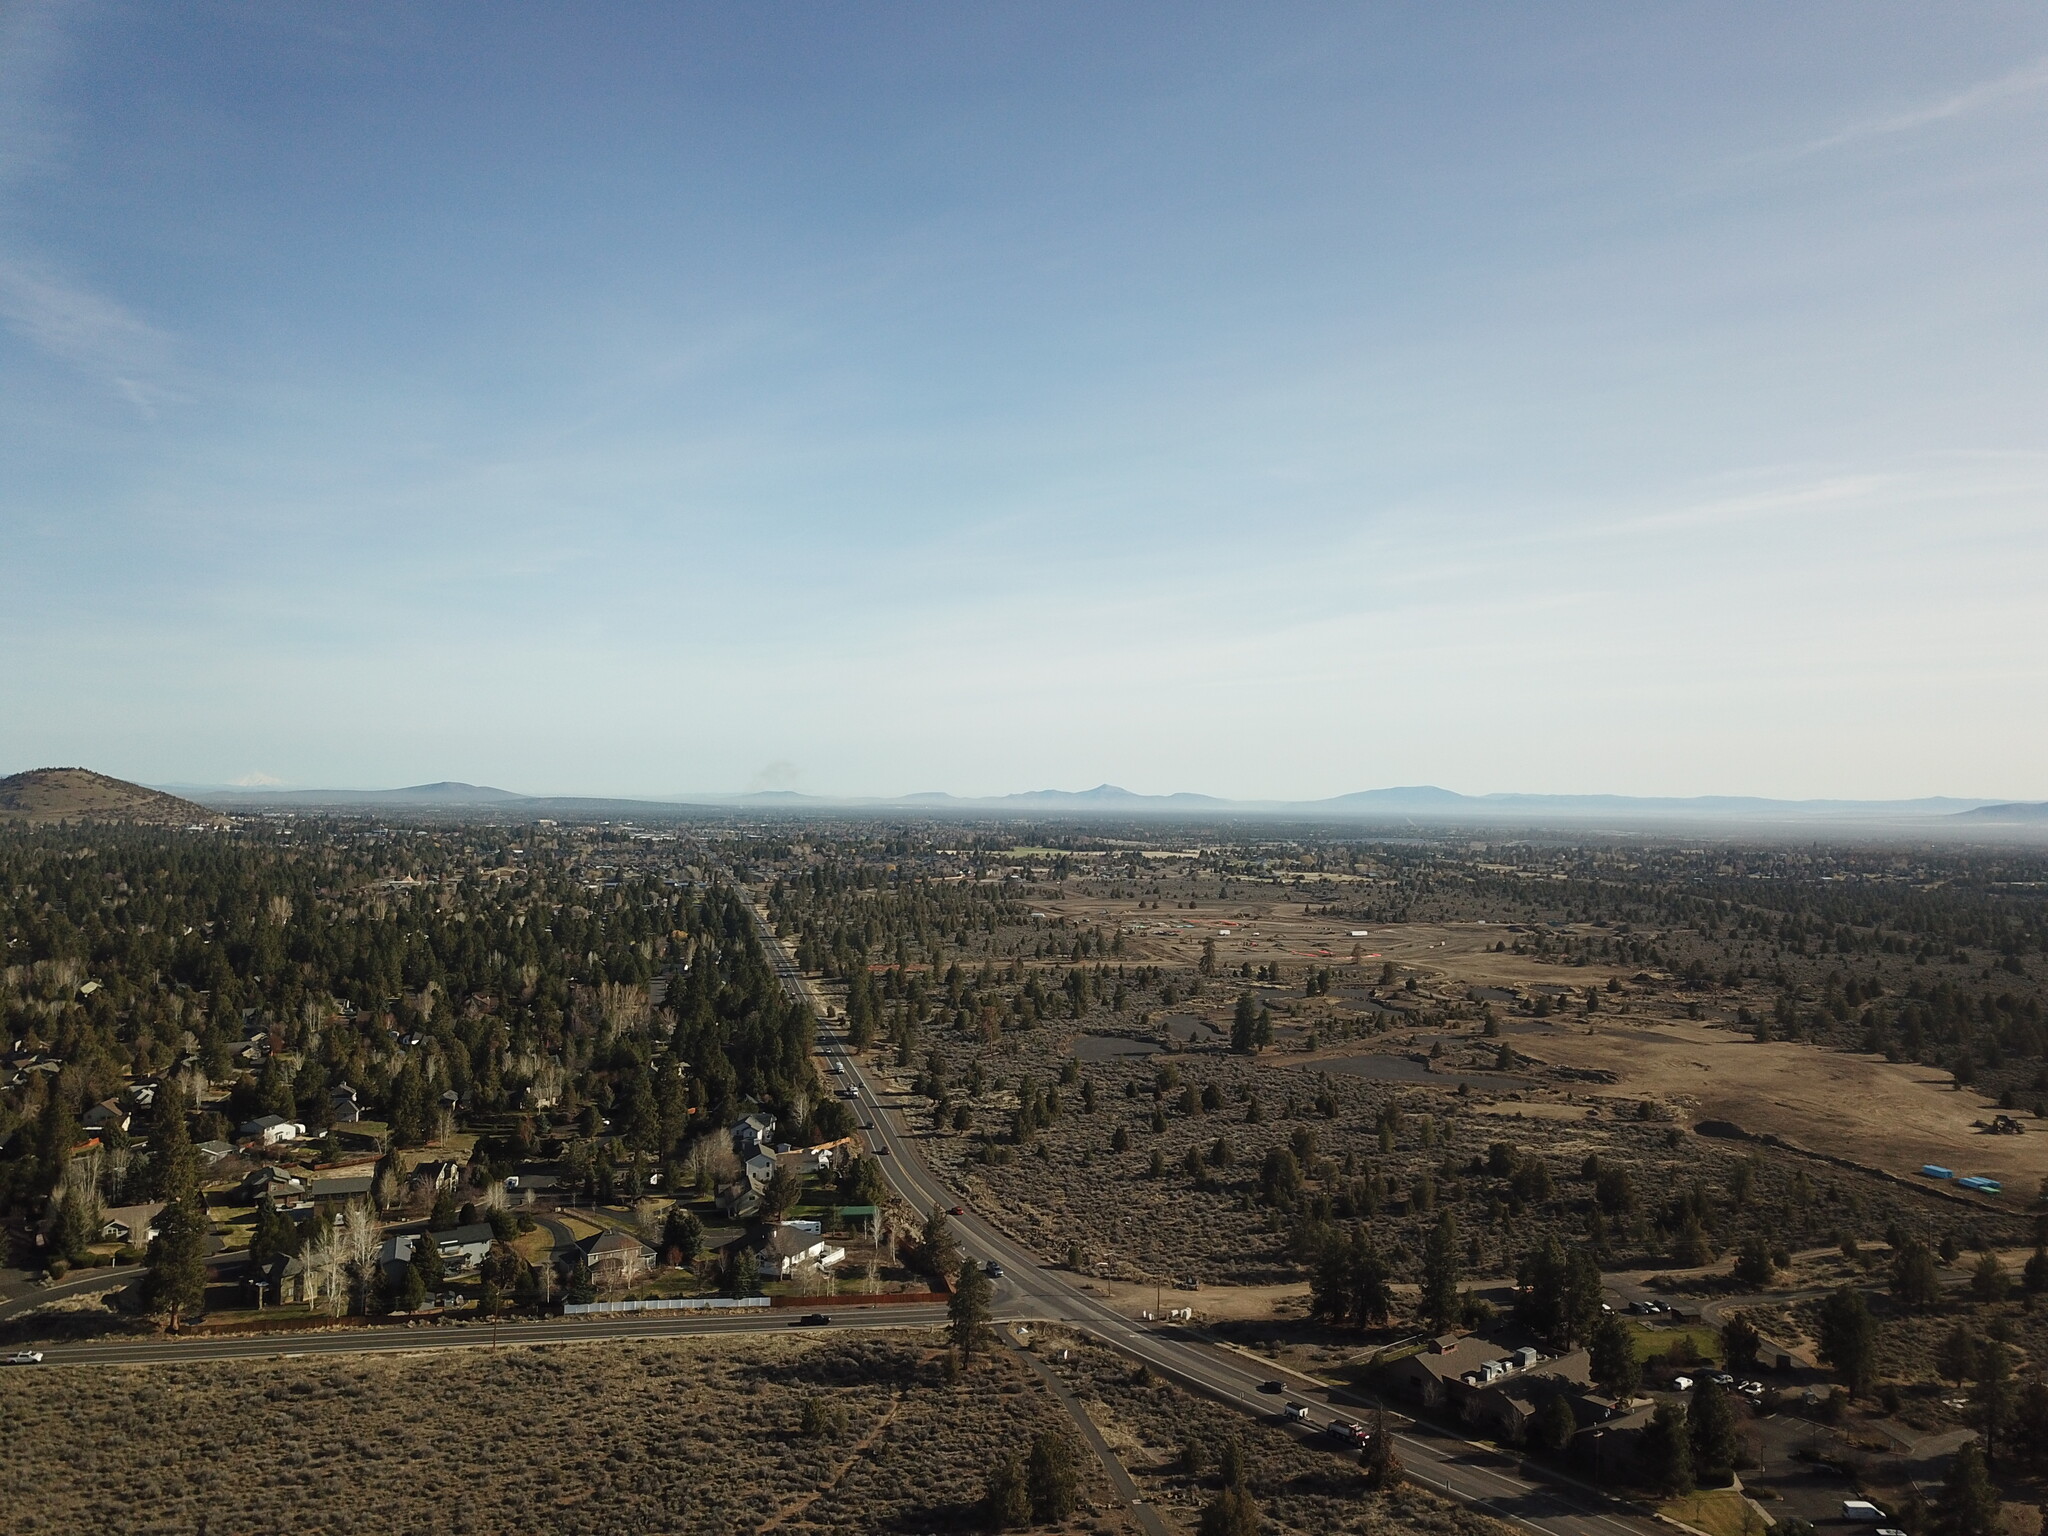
1936, 1171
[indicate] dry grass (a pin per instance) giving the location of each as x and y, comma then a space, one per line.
672, 1436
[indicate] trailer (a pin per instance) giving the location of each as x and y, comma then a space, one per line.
1936, 1171
1981, 1185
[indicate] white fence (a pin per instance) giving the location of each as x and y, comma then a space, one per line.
669, 1304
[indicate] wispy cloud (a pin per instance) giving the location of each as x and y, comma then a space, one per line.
2023, 81
87, 331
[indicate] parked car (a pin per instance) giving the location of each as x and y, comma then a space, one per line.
26, 1357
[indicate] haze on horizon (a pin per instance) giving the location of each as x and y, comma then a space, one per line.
1269, 405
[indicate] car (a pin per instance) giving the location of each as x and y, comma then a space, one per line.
1752, 1390
993, 1270
1644, 1308
26, 1357
1721, 1379
1298, 1412
957, 1210
1272, 1386
812, 1320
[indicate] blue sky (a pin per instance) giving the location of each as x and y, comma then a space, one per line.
1265, 401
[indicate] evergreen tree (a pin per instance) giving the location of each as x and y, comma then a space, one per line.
937, 1252
1230, 1513
1050, 1476
1441, 1304
1916, 1283
1667, 1451
1555, 1425
1848, 1338
969, 1309
173, 1165
1740, 1343
682, 1235
1614, 1365
1710, 1426
174, 1288
1969, 1502
1006, 1501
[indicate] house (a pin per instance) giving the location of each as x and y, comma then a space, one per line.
751, 1133
270, 1130
451, 1101
739, 1201
438, 1174
342, 1186
105, 1116
759, 1169
214, 1151
790, 1249
461, 1248
616, 1258
283, 1279
269, 1182
1487, 1384
1612, 1450
344, 1105
134, 1225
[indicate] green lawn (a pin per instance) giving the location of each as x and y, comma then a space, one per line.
1721, 1511
1654, 1342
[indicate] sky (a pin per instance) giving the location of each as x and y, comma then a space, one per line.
1269, 402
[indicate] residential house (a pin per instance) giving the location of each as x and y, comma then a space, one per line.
270, 1130
342, 1186
214, 1151
616, 1258
282, 1280
134, 1225
790, 1250
268, 1182
344, 1105
461, 1248
105, 1116
438, 1175
750, 1133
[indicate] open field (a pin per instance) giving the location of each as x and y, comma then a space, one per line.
674, 1437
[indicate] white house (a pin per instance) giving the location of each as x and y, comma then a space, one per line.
269, 1130
790, 1249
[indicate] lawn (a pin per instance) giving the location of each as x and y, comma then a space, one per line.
1718, 1511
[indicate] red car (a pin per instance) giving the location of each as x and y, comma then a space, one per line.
958, 1210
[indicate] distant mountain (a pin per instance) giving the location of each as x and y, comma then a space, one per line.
79, 794
2025, 811
1104, 797
447, 792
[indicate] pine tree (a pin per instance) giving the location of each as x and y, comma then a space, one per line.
1230, 1513
969, 1309
1614, 1364
937, 1251
1848, 1338
1053, 1481
1710, 1426
1969, 1502
1006, 1501
174, 1287
1440, 1302
1667, 1450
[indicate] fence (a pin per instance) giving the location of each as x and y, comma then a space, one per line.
665, 1304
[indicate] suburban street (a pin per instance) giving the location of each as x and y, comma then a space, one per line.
1029, 1288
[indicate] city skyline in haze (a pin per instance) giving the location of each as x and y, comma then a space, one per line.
641, 401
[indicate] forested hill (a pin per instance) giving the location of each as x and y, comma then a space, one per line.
79, 794
277, 966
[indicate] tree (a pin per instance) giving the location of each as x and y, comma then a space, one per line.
780, 1193
1989, 1281
1351, 1282
969, 1309
1916, 1283
1279, 1177
1710, 1429
1382, 1465
1560, 1293
682, 1235
1251, 1027
1053, 1481
1993, 1397
1440, 1302
173, 1165
1753, 1266
742, 1273
175, 1286
1006, 1500
1555, 1425
1740, 1343
1230, 1513
937, 1252
427, 1264
69, 1237
1667, 1451
2034, 1278
1969, 1503
1956, 1355
1848, 1339
1614, 1365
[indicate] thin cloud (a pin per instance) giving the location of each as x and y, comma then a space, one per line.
1977, 98
88, 332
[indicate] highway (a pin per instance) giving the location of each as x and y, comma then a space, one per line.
1463, 1471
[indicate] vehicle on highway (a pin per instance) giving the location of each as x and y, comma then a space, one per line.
1350, 1431
812, 1320
993, 1270
1298, 1412
958, 1210
1272, 1386
26, 1357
